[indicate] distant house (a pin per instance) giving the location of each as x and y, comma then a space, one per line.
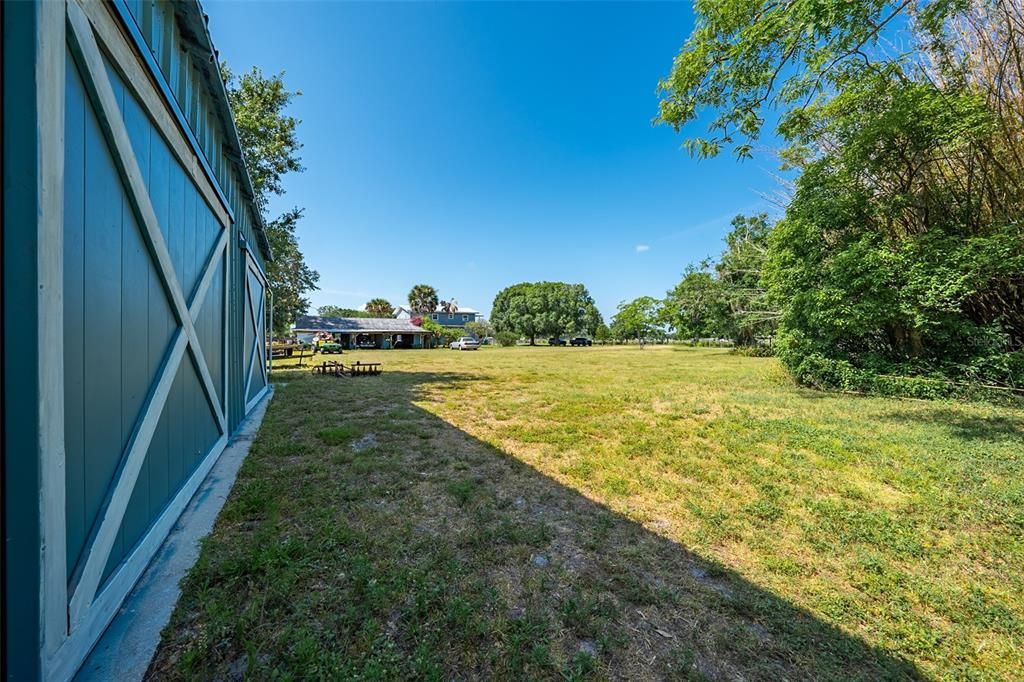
457, 318
362, 332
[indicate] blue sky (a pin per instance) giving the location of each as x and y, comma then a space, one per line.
473, 146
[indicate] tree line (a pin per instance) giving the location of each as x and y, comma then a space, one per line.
375, 307
901, 249
723, 299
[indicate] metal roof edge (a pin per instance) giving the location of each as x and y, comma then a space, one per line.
198, 20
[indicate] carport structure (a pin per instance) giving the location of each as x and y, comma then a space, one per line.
363, 332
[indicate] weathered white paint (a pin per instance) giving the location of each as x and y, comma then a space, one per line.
255, 343
105, 605
209, 270
128, 645
259, 349
264, 309
50, 75
226, 365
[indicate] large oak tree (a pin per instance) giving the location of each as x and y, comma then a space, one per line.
533, 309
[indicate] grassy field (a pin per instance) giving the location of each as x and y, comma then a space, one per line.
618, 513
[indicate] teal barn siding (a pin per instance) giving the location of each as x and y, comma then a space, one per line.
21, 473
117, 320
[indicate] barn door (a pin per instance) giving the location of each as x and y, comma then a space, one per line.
136, 367
255, 325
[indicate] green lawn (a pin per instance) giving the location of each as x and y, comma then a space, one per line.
612, 513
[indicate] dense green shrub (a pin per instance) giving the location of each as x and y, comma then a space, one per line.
440, 336
756, 351
898, 267
507, 338
449, 334
825, 373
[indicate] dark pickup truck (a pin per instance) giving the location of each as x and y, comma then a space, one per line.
581, 341
556, 341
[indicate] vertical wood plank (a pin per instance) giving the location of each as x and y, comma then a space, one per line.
161, 320
175, 220
175, 418
167, 41
101, 92
156, 33
172, 69
136, 366
103, 202
74, 312
188, 239
146, 23
226, 329
192, 209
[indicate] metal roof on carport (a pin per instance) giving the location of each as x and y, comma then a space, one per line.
355, 325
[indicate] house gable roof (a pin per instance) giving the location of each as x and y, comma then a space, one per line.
439, 309
460, 309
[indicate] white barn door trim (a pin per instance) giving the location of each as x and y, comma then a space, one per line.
50, 77
257, 302
71, 626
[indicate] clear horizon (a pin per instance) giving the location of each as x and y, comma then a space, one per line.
474, 146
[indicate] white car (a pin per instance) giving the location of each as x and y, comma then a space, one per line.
465, 343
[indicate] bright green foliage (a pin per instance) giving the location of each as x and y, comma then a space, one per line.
902, 249
423, 298
480, 329
433, 329
638, 319
507, 338
440, 335
269, 139
739, 269
726, 299
449, 334
697, 307
744, 56
380, 307
271, 146
338, 311
436, 331
533, 309
287, 274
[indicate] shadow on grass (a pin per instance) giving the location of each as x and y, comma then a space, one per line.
994, 428
417, 551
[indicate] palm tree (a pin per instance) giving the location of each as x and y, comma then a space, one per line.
423, 298
380, 306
